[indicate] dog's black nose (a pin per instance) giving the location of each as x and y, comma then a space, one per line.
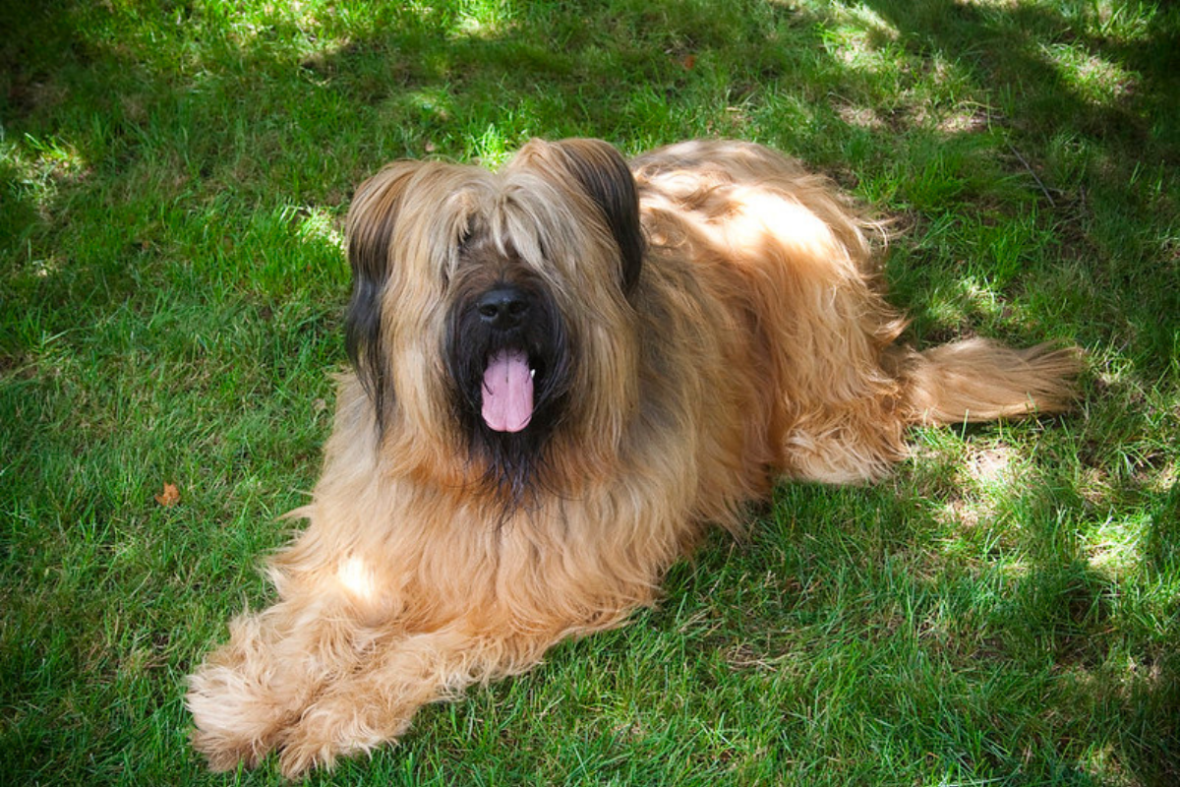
503, 307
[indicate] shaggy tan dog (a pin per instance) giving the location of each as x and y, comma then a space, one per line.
564, 371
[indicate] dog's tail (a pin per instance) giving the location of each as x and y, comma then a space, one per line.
979, 380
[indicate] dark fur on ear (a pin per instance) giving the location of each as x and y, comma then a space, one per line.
605, 177
370, 227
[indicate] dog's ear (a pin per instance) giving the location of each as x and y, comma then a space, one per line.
604, 175
370, 226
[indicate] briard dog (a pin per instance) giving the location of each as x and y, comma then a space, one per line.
564, 371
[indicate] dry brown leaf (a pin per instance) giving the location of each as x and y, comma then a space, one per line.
170, 496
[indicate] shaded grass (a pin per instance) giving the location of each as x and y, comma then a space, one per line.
1004, 610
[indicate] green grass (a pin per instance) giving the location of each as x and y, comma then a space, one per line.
1005, 610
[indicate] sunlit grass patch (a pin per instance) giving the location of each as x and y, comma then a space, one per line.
1089, 75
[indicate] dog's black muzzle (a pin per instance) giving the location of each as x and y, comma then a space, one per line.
501, 320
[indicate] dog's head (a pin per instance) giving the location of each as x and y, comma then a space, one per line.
489, 321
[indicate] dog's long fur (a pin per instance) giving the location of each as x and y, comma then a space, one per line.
701, 322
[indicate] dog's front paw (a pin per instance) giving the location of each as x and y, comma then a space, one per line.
338, 726
237, 720
244, 698
225, 750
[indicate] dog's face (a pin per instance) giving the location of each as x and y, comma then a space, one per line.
489, 317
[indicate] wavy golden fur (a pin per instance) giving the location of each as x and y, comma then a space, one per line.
696, 324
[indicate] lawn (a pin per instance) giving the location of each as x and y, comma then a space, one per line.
1003, 610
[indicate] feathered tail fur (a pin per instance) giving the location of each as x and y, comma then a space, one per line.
980, 380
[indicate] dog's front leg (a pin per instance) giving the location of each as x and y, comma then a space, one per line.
376, 702
250, 690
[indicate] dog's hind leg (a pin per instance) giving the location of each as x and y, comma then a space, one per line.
859, 439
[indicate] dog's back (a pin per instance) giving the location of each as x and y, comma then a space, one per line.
845, 393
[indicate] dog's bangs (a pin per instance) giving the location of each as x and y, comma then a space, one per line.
544, 226
453, 221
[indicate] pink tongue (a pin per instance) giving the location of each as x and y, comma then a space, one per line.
507, 392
